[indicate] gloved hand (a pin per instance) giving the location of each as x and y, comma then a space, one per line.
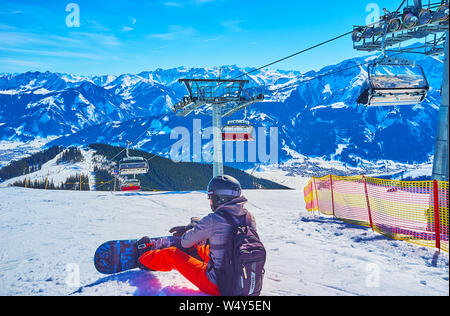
195, 220
179, 231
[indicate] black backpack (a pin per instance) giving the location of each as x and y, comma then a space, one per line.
242, 271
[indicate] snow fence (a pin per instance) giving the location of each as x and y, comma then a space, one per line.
414, 211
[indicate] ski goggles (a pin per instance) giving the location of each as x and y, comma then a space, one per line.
224, 192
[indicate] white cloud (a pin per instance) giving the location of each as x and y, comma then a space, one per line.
127, 29
108, 40
175, 31
173, 4
202, 1
181, 4
19, 62
233, 25
55, 53
7, 27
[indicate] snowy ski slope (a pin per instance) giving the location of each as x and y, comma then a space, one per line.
48, 239
60, 173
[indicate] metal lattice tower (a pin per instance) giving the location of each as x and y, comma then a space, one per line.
225, 97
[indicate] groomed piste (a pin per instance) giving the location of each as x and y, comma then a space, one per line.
49, 239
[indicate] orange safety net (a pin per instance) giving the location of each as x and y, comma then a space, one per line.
414, 211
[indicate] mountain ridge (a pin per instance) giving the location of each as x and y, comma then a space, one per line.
315, 111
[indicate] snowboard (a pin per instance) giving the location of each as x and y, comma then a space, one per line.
121, 255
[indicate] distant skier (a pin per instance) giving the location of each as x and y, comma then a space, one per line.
221, 254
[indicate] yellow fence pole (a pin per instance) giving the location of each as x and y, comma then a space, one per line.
317, 195
46, 180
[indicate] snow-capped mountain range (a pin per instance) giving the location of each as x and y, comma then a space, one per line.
316, 118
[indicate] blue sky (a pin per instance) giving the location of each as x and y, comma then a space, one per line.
130, 36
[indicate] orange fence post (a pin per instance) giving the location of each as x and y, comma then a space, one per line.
332, 194
368, 202
437, 228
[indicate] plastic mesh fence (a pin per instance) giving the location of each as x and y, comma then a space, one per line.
403, 210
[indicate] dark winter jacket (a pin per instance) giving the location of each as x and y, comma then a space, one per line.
217, 230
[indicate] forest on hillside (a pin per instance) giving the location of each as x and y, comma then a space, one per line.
167, 175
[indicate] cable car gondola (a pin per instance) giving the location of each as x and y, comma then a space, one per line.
132, 166
394, 81
238, 130
130, 185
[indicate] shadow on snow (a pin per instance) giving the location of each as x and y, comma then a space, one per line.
146, 285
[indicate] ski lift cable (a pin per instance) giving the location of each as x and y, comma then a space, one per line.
288, 57
295, 54
322, 76
162, 117
401, 5
332, 73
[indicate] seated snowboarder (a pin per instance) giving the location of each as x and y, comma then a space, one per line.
201, 247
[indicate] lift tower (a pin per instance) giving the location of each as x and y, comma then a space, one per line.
416, 21
225, 97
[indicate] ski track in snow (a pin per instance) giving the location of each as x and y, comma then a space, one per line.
46, 234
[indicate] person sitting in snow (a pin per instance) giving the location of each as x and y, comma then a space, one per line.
201, 246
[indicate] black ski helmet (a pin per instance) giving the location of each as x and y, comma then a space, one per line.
223, 189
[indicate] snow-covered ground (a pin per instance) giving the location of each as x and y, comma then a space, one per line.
48, 239
59, 173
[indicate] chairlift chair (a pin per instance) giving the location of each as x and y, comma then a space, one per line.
238, 130
130, 185
133, 166
394, 81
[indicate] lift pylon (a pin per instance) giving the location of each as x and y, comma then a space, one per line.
225, 97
